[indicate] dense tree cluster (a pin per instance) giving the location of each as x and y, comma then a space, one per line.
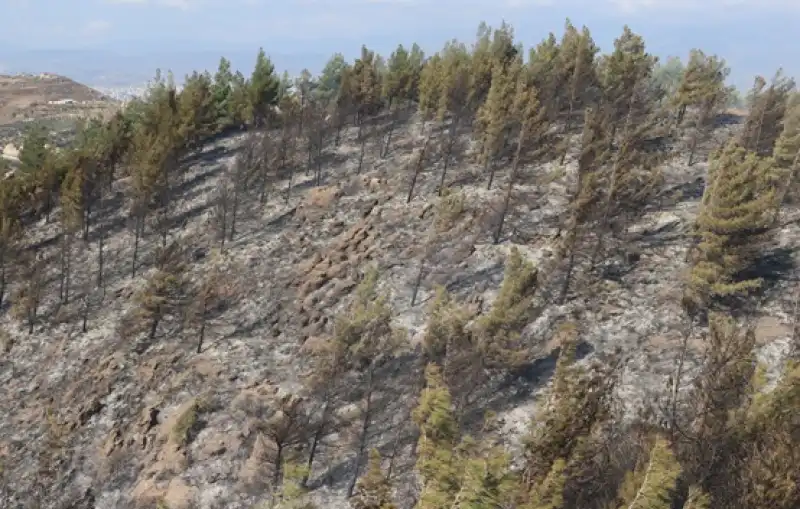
728, 443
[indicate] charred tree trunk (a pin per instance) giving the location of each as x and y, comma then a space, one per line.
363, 434
491, 168
2, 276
202, 334
363, 140
234, 210
511, 180
316, 439
570, 268
417, 169
451, 141
136, 238
100, 260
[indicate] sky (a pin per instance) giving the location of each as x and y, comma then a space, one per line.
754, 36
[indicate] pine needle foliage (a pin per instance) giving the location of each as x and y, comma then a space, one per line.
652, 485
373, 490
501, 328
737, 207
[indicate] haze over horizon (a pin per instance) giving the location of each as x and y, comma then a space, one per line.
122, 42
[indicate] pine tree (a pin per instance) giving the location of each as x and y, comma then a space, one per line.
549, 494
652, 485
373, 490
547, 75
291, 494
577, 61
631, 178
72, 216
493, 48
710, 441
286, 427
769, 473
533, 125
586, 195
624, 72
366, 335
10, 230
399, 87
578, 404
243, 93
495, 117
500, 329
449, 343
330, 79
221, 93
327, 382
365, 85
703, 90
486, 476
33, 153
196, 109
737, 208
697, 499
765, 115
430, 88
787, 151
28, 296
211, 296
163, 295
439, 436
454, 97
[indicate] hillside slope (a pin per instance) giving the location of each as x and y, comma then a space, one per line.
50, 98
107, 405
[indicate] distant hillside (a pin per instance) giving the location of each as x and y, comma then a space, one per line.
54, 99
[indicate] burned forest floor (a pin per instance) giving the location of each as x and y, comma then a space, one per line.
106, 406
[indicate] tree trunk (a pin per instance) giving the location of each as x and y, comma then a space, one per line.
417, 169
68, 269
153, 329
676, 384
63, 260
87, 219
202, 333
276, 476
363, 149
451, 141
136, 236
568, 276
385, 151
784, 189
289, 185
512, 178
362, 439
491, 168
418, 281
316, 439
100, 260
85, 319
234, 209
2, 276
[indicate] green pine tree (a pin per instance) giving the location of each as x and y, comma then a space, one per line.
373, 490
652, 485
736, 211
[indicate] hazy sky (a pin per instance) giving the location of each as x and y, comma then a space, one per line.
754, 36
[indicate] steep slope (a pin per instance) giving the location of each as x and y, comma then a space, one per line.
105, 418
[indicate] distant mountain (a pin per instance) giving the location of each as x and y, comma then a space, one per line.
117, 69
50, 98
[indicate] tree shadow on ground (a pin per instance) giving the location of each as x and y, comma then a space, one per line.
773, 267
